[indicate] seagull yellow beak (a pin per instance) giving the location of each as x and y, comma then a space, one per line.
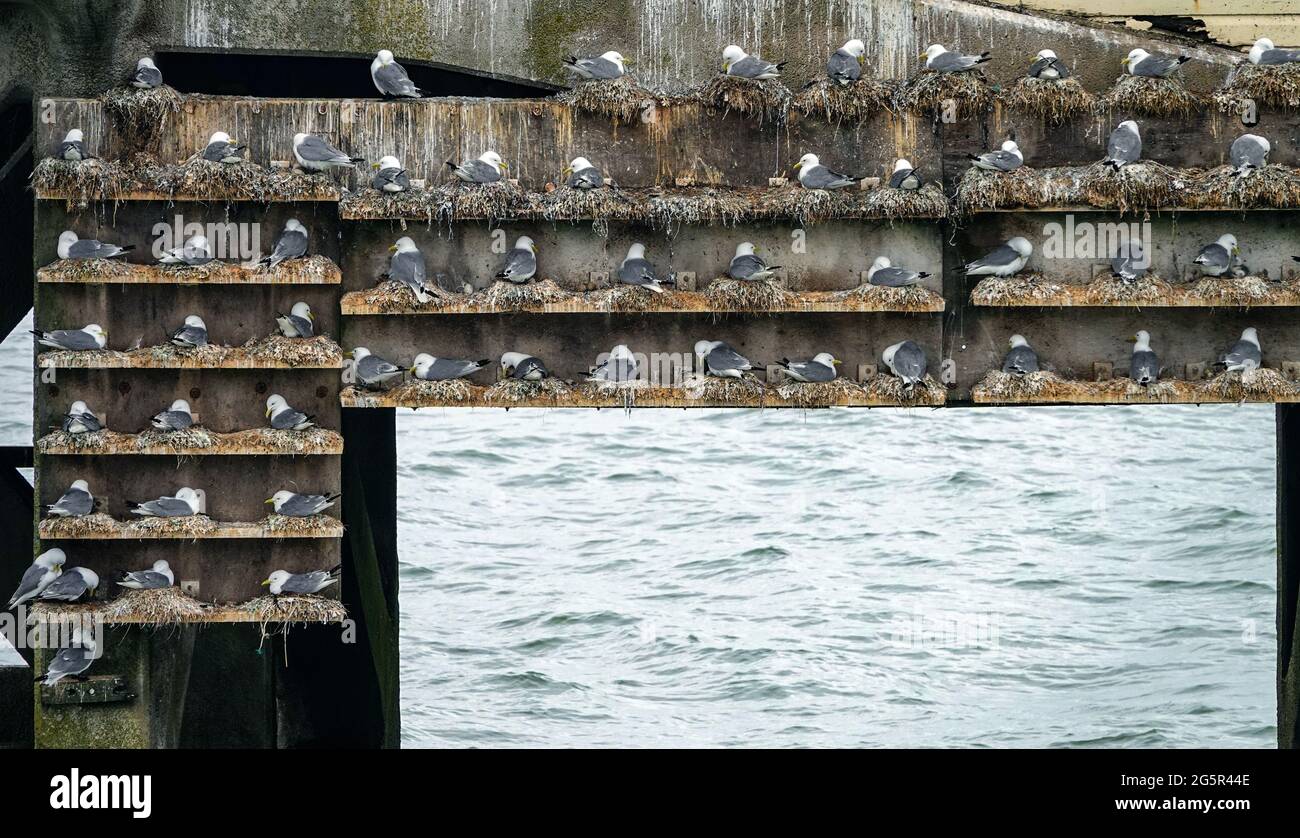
268, 413
266, 582
836, 361
311, 317
862, 59
799, 164
392, 248
269, 500
1236, 251
921, 55
1131, 338
348, 354
505, 165
568, 170
629, 61
411, 370
1125, 61
374, 165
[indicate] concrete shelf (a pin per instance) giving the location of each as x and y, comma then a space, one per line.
196, 442
138, 608
1037, 291
1266, 387
101, 527
142, 178
312, 270
276, 352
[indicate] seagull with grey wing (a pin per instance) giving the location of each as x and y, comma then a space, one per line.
1265, 54
580, 174
71, 661
222, 149
745, 265
283, 582
390, 176
720, 360
196, 251
1007, 159
604, 67
298, 323
845, 64
285, 418
146, 76
44, 569
76, 502
884, 273
88, 337
820, 369
523, 366
521, 262
813, 175
940, 60
292, 244
1218, 257
1046, 65
428, 368
73, 247
1124, 145
160, 575
192, 334
1129, 263
1143, 366
71, 585
314, 154
180, 505
73, 147
80, 420
1248, 152
175, 418
736, 62
371, 371
295, 505
1244, 355
486, 169
618, 367
1004, 260
905, 177
1139, 62
907, 361
637, 270
1021, 359
407, 267
390, 78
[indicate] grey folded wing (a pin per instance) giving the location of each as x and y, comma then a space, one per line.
408, 268
72, 339
291, 245
751, 67
746, 266
316, 150
637, 272
288, 419
895, 277
75, 502
843, 67
726, 358
521, 264
393, 80
167, 508
588, 178
1019, 359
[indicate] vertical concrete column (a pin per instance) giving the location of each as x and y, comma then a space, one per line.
1288, 575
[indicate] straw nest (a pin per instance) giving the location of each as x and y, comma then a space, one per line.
446, 203
290, 525
845, 102
293, 609
767, 99
820, 393
1108, 289
621, 99
1024, 188
313, 440
193, 438
1261, 384
81, 526
1146, 96
926, 202
622, 297
139, 115
156, 607
315, 351
888, 388
503, 295
1239, 290
59, 440
1020, 289
744, 391
182, 526
1137, 186
310, 270
885, 298
1272, 186
393, 296
1044, 386
270, 351
930, 92
91, 270
510, 391
727, 294
565, 203
418, 393
238, 182
1052, 101
80, 182
1274, 86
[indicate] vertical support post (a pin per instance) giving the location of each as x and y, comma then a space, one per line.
1288, 575
15, 698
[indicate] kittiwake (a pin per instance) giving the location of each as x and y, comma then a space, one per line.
71, 585
73, 660
1218, 257
80, 420
905, 177
523, 366
285, 418
292, 244
159, 576
1265, 54
407, 268
222, 149
486, 169
1143, 366
370, 370
1249, 151
390, 176
73, 147
735, 62
390, 78
284, 582
196, 251
719, 359
295, 505
845, 64
906, 360
429, 368
607, 65
314, 154
1003, 260
939, 59
1244, 355
72, 247
1007, 159
298, 323
580, 174
175, 418
1139, 62
820, 368
192, 334
883, 273
74, 503
1047, 66
146, 75
521, 262
44, 569
745, 265
1021, 359
813, 175
90, 336
637, 270
180, 505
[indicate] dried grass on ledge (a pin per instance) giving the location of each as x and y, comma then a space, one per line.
418, 393
889, 388
744, 391
391, 296
290, 525
78, 443
767, 99
632, 298
1108, 289
1274, 86
890, 204
1273, 186
81, 526
81, 181
1052, 101
1262, 383
140, 115
1024, 188
91, 270
315, 351
886, 298
565, 203
727, 294
237, 182
503, 295
184, 526
1239, 290
928, 91
622, 393
853, 102
155, 607
820, 393
621, 99
1020, 289
187, 439
464, 201
999, 387
292, 609
510, 391
1138, 186
1147, 96
272, 441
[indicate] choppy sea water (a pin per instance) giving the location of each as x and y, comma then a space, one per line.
982, 577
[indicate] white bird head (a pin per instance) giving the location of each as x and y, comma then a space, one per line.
621, 351
704, 347
636, 251
180, 406
855, 47
494, 160
74, 136
826, 359
78, 407
298, 138
275, 404
388, 161
525, 243
512, 359
888, 355
90, 577
405, 245
52, 558
808, 161
1257, 51
1261, 140
276, 580
1142, 341
1130, 125
902, 163
295, 224
97, 332
186, 493
745, 249
1021, 246
146, 62
359, 352
80, 484
1046, 54
195, 320
1251, 335
1229, 243
280, 498
385, 56
1135, 55
881, 262
616, 57
1018, 340
579, 163
66, 240
198, 242
422, 363
731, 55
1010, 145
161, 566
301, 309
218, 137
933, 51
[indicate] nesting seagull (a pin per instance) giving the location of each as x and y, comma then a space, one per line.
285, 418
73, 147
637, 270
820, 368
193, 334
938, 58
1245, 354
73, 660
292, 244
71, 585
175, 418
370, 370
390, 176
183, 504
80, 420
284, 582
222, 149
619, 367
745, 265
906, 360
883, 273
159, 576
43, 570
294, 505
1007, 159
580, 174
407, 268
314, 154
1021, 359
1249, 151
1047, 66
905, 177
1143, 367
196, 251
1139, 62
607, 65
1124, 145
72, 247
429, 368
74, 503
390, 78
298, 323
486, 169
521, 262
845, 64
721, 360
813, 175
523, 366
1265, 54
91, 336
735, 62
1219, 257
146, 75
1129, 263
1003, 260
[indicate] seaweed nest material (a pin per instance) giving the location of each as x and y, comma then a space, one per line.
80, 182
186, 439
489, 201
1024, 188
241, 182
886, 298
1109, 289
998, 386
845, 102
181, 526
139, 115
727, 294
293, 608
316, 351
821, 393
1273, 186
155, 607
1020, 289
1049, 100
1274, 86
503, 295
1137, 186
1237, 290
889, 388
291, 525
392, 296
622, 98
509, 391
1149, 96
767, 99
1249, 385
926, 202
79, 526
565, 203
930, 92
623, 297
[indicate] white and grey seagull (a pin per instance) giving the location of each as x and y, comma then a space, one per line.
820, 369
222, 149
1265, 54
71, 585
44, 569
196, 251
73, 660
637, 270
390, 78
192, 334
883, 273
407, 267
523, 366
1021, 359
73, 247
488, 168
1007, 159
429, 368
905, 177
1124, 145
606, 66
813, 175
175, 418
1139, 62
76, 502
1218, 257
80, 420
1004, 260
292, 244
1047, 66
295, 505
146, 75
906, 360
521, 262
73, 147
1249, 151
1244, 355
284, 582
581, 174
736, 62
88, 337
1143, 366
315, 154
745, 265
845, 64
298, 323
180, 505
939, 59
371, 371
285, 418
618, 367
719, 359
158, 576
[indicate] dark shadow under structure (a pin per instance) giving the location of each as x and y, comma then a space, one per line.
1288, 576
